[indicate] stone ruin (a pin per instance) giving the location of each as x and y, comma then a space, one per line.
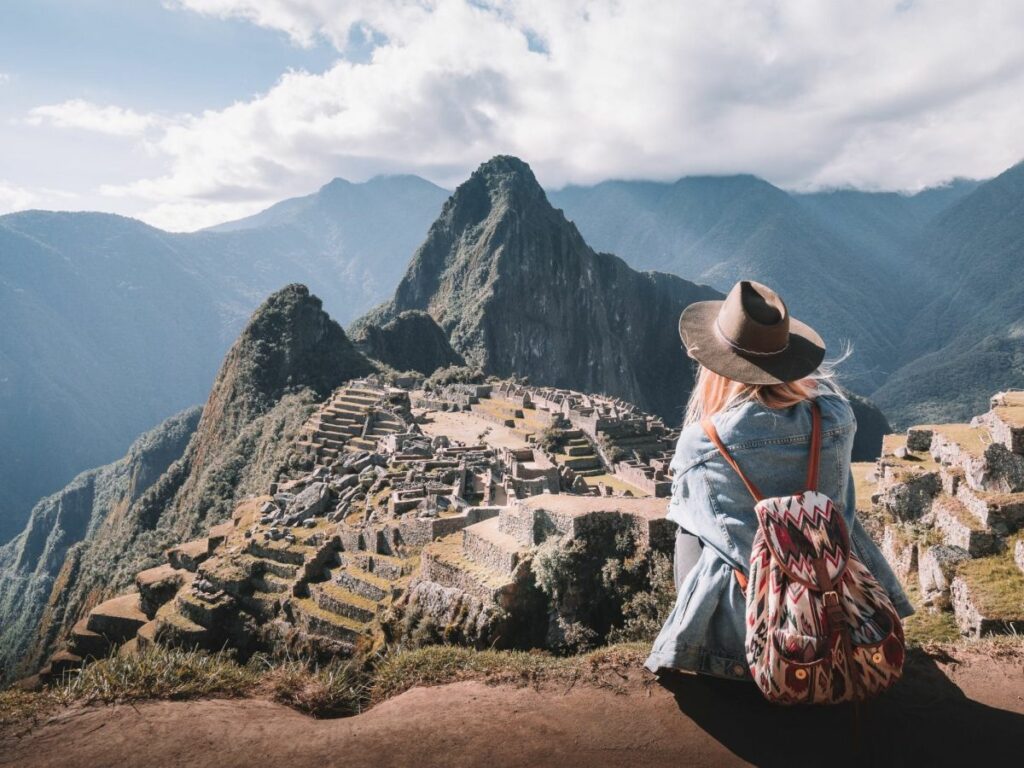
488, 515
947, 504
414, 510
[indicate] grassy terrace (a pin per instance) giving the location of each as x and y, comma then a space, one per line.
919, 460
928, 626
1013, 412
615, 483
863, 488
996, 584
973, 440
449, 550
956, 508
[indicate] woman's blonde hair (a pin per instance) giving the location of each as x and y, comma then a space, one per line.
713, 392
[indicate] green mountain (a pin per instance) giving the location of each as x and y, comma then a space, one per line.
289, 357
837, 258
518, 291
60, 525
967, 340
111, 325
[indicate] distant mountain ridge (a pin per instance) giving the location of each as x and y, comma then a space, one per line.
111, 325
825, 253
967, 339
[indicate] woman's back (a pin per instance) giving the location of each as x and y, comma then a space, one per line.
705, 631
772, 447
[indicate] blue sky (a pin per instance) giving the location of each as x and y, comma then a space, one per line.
189, 112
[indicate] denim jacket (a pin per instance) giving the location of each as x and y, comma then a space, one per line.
705, 632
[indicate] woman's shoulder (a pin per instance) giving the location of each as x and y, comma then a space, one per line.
752, 423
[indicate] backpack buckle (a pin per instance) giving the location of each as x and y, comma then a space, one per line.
830, 598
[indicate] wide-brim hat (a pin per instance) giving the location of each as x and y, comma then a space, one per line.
750, 337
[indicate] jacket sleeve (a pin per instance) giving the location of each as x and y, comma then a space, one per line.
692, 508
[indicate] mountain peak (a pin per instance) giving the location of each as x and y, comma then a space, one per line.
289, 343
503, 181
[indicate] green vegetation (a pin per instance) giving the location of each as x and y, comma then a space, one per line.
928, 626
454, 374
334, 689
339, 688
996, 584
442, 664
601, 587
551, 439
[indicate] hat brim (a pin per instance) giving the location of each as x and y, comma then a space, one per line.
801, 357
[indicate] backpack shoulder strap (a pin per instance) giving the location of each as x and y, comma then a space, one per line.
712, 433
813, 462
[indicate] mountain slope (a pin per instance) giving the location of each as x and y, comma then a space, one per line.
885, 226
968, 340
722, 229
95, 349
290, 356
518, 291
111, 325
29, 564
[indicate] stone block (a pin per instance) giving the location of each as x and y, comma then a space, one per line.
960, 528
936, 569
900, 550
189, 555
972, 618
919, 438
158, 585
1002, 512
117, 619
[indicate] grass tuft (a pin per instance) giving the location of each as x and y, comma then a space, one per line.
159, 673
443, 664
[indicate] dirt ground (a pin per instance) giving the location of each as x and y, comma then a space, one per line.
965, 709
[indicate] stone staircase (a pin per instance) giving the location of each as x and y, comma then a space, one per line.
525, 421
950, 502
355, 418
579, 455
338, 606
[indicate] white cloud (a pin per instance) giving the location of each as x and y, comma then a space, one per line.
4, 78
14, 198
85, 115
863, 92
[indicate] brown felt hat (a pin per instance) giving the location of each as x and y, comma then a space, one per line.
750, 337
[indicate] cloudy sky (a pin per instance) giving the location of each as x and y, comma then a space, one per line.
185, 113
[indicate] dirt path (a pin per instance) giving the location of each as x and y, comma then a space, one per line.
950, 712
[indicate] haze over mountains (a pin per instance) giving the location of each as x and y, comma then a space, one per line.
111, 325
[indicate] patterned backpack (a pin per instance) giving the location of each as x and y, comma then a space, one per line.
820, 628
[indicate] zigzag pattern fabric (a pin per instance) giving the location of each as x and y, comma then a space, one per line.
801, 649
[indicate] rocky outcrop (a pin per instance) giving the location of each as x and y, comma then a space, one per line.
65, 521
410, 342
290, 356
519, 292
872, 426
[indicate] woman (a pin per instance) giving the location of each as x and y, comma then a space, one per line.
759, 369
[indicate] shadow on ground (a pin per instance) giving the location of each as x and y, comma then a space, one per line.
925, 720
